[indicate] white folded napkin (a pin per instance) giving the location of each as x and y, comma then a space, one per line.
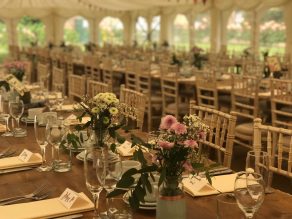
126, 150
201, 187
14, 162
49, 208
2, 128
68, 107
72, 120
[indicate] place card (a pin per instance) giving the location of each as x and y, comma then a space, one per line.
25, 155
69, 198
16, 84
28, 156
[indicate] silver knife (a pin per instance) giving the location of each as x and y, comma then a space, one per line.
70, 216
15, 169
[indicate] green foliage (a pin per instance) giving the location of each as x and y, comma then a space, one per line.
31, 30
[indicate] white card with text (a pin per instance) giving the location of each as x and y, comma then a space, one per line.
68, 198
25, 155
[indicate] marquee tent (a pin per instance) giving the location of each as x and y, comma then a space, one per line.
54, 13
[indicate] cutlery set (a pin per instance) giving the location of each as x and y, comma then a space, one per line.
8, 152
40, 193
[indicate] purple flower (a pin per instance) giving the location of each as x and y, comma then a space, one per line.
179, 128
191, 143
166, 144
167, 121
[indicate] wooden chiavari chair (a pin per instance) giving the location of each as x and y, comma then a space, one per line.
278, 143
107, 72
281, 103
43, 74
96, 87
131, 74
135, 103
145, 86
245, 105
76, 86
221, 135
171, 102
58, 80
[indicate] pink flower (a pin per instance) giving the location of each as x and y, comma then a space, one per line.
202, 135
179, 128
167, 121
191, 143
166, 144
188, 167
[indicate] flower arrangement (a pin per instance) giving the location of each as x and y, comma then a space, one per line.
175, 152
104, 111
177, 149
16, 68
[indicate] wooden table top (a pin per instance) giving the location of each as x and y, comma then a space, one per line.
199, 207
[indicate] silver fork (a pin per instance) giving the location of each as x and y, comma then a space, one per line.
8, 154
36, 198
2, 153
35, 193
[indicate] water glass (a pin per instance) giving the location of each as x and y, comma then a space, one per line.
226, 207
41, 136
259, 162
6, 118
118, 209
56, 133
249, 192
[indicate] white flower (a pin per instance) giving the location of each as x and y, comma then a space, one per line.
113, 111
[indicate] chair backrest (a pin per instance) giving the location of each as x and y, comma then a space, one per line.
143, 78
281, 103
134, 105
43, 74
244, 96
96, 87
28, 71
76, 86
207, 94
167, 70
278, 145
58, 80
107, 72
131, 74
221, 135
170, 91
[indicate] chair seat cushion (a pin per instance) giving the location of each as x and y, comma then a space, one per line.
244, 131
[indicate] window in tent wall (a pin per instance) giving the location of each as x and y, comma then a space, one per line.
31, 31
155, 29
202, 30
111, 31
181, 33
141, 31
3, 41
76, 31
273, 31
239, 33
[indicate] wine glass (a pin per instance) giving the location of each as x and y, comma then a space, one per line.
16, 109
249, 192
41, 136
94, 172
259, 162
55, 134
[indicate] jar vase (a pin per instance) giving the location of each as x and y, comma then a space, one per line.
171, 201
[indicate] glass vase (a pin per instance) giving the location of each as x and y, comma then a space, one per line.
171, 201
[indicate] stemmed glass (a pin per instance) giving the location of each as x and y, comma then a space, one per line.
249, 192
94, 172
258, 161
41, 136
16, 109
